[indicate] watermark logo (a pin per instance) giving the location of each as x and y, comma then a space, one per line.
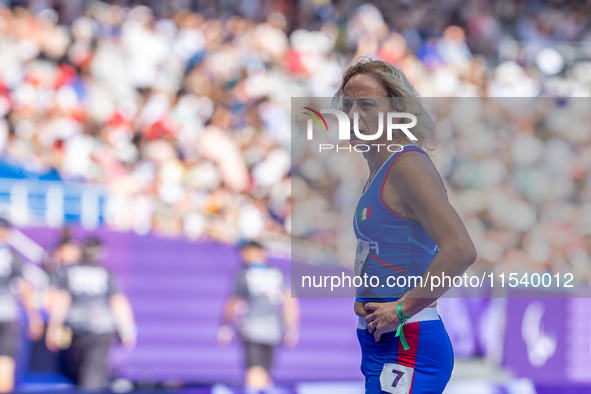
316, 119
344, 125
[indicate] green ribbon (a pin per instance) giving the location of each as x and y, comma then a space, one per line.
399, 332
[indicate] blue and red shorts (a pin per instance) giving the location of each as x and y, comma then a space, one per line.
424, 368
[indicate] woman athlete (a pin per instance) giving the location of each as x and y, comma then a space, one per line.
405, 226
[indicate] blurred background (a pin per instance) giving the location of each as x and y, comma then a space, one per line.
162, 128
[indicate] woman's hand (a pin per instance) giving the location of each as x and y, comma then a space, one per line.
360, 309
382, 317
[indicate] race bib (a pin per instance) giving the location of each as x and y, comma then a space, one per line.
396, 378
361, 255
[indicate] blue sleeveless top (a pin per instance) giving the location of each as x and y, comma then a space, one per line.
398, 246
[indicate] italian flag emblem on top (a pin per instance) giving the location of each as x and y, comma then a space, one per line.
365, 214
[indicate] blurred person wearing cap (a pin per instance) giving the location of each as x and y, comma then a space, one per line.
65, 248
86, 311
271, 315
11, 282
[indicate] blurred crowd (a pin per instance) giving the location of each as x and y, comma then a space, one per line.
518, 172
182, 108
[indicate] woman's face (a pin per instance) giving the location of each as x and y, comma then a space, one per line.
365, 95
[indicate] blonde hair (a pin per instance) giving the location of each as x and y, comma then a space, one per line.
402, 94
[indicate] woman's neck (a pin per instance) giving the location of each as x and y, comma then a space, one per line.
376, 160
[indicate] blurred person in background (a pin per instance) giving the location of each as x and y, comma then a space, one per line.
11, 282
64, 249
405, 227
67, 253
87, 309
271, 315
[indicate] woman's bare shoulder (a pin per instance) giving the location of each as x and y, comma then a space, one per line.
414, 167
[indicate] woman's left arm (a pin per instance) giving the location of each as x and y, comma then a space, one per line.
419, 187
